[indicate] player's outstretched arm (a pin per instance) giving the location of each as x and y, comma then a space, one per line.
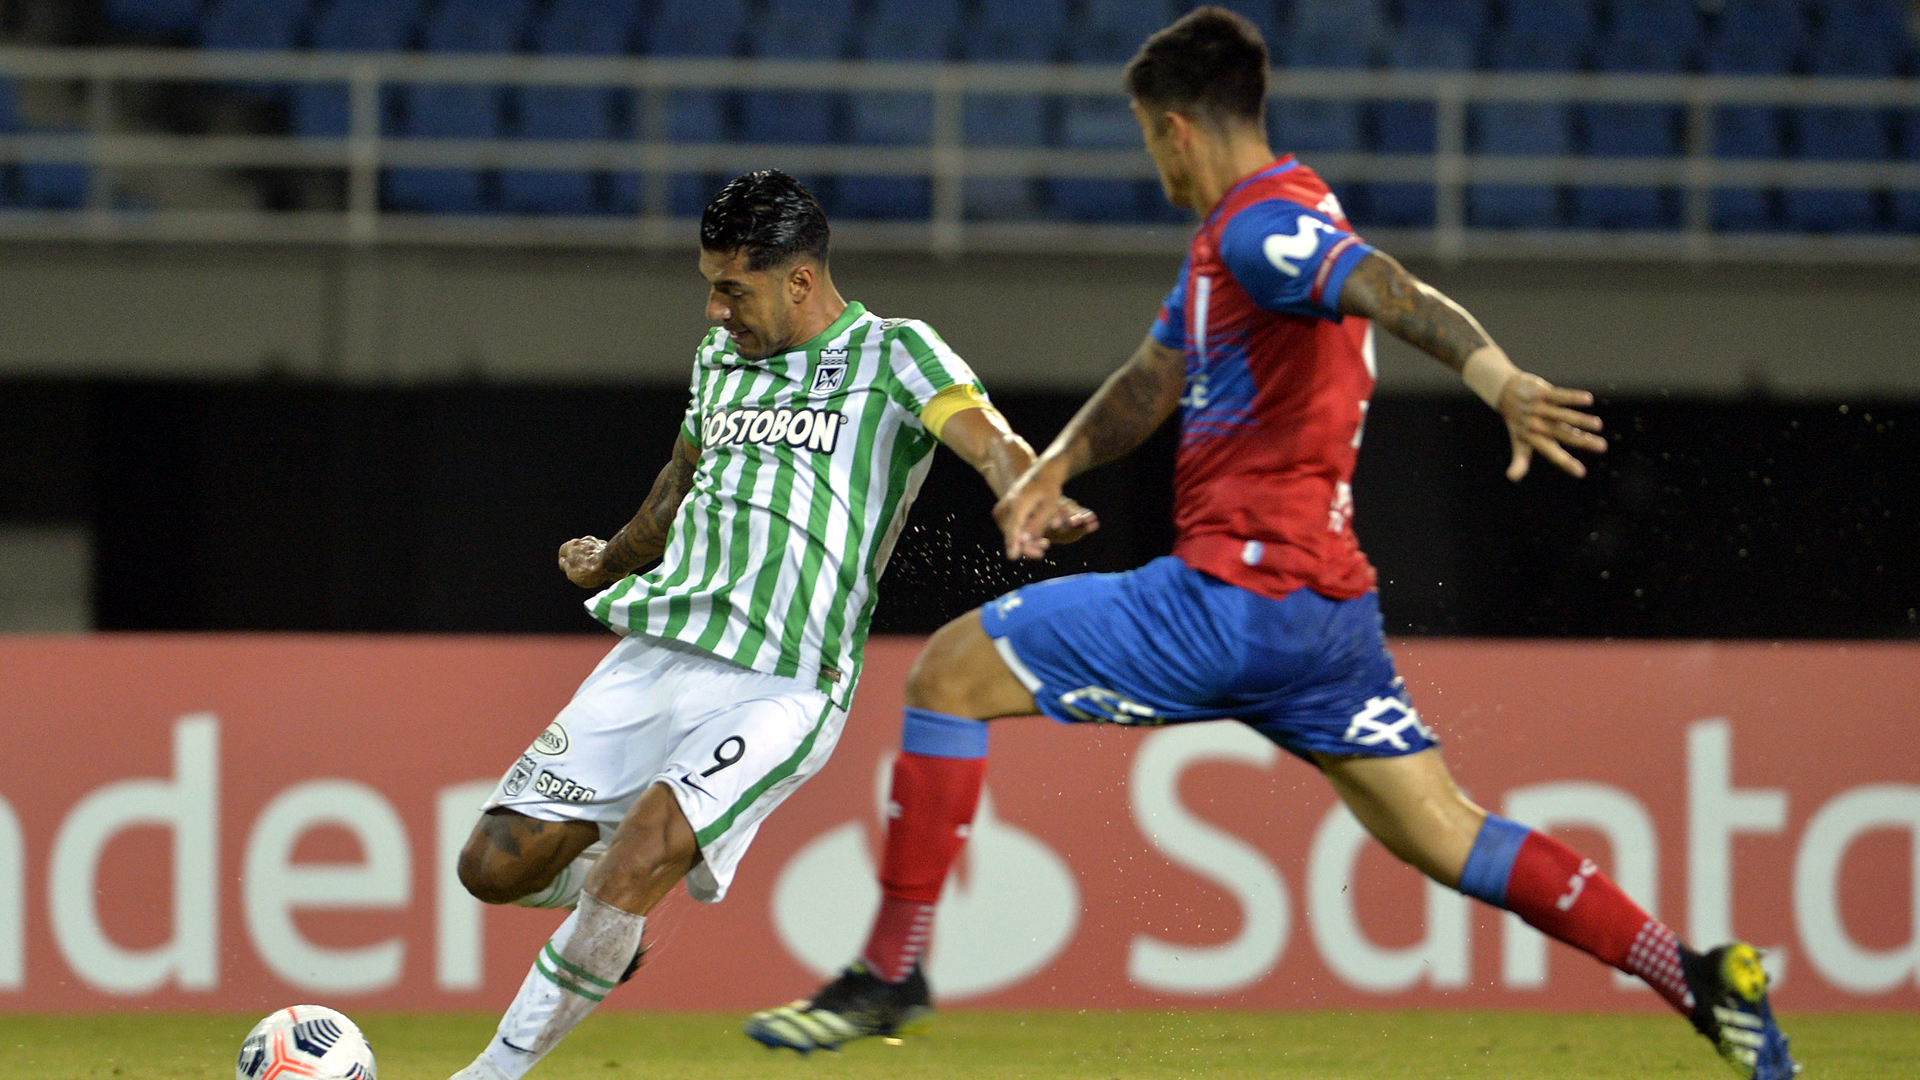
983, 439
592, 563
1119, 416
1540, 416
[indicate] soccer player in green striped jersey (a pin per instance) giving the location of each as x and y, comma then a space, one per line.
809, 429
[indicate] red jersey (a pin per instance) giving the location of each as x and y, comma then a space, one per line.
1277, 389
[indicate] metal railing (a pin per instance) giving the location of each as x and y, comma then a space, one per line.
947, 160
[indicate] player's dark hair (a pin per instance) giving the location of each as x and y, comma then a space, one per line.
1210, 64
770, 215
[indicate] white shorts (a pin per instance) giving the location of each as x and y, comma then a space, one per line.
729, 742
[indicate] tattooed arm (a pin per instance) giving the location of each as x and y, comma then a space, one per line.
591, 563
1540, 416
1119, 416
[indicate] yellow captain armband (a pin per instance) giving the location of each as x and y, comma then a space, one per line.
955, 399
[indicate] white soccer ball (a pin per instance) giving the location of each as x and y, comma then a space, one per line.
305, 1042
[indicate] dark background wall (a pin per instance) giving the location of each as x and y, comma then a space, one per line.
305, 506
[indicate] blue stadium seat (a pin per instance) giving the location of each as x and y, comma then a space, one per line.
1881, 20
1522, 128
1774, 24
1359, 20
350, 26
1677, 22
1567, 20
1407, 127
1749, 131
570, 28
456, 110
796, 30
9, 123
255, 24
1109, 32
44, 185
177, 19
1840, 134
1905, 204
1631, 131
1466, 17
919, 31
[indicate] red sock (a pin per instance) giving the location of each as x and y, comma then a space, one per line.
931, 809
1566, 897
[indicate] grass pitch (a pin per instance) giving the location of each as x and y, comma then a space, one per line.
1002, 1046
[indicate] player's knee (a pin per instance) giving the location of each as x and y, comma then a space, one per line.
939, 679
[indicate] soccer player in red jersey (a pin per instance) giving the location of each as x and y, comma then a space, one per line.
1266, 612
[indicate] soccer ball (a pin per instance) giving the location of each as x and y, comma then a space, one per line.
305, 1042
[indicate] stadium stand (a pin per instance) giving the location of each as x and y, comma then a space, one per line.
9, 123
1109, 32
572, 28
1008, 31
43, 185
1819, 38
351, 26
1407, 127
1641, 131
691, 29
456, 110
920, 30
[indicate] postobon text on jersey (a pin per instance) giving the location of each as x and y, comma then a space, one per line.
811, 429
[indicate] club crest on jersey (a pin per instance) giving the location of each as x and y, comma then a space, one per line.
831, 373
802, 429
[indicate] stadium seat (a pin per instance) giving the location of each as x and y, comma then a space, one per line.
48, 185
1522, 128
1826, 133
1677, 22
919, 31
1008, 31
1407, 127
456, 110
796, 30
1109, 32
1619, 130
1361, 21
351, 26
173, 19
1570, 21
1869, 20
9, 123
1905, 203
1463, 17
1749, 131
1771, 24
1263, 14
255, 24
569, 28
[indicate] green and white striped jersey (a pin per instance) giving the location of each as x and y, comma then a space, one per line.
808, 463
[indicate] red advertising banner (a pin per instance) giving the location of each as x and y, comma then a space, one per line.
242, 822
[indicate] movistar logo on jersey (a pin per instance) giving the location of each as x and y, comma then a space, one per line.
810, 429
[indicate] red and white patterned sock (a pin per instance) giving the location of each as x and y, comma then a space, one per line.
931, 805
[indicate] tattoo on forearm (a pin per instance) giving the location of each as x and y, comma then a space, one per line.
1382, 290
1126, 409
644, 539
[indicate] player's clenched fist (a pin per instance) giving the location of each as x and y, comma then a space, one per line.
580, 561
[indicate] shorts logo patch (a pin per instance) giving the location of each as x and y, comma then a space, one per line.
519, 776
1384, 722
560, 789
1103, 706
552, 742
831, 373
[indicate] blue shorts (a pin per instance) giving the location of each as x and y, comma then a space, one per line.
1167, 644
